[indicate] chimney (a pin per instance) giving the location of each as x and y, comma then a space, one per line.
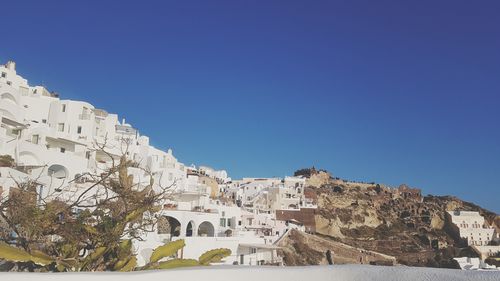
11, 65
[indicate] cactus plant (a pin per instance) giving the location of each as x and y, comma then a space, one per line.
129, 265
171, 248
176, 263
167, 250
14, 254
215, 255
123, 259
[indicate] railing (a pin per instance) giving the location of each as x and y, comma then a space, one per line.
120, 129
100, 113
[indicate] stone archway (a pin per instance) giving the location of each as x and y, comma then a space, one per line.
169, 225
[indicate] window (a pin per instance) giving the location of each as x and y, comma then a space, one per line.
223, 222
63, 149
34, 139
253, 250
63, 108
60, 127
239, 222
9, 83
4, 75
228, 223
79, 130
87, 154
44, 121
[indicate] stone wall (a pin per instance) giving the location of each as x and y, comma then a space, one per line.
304, 215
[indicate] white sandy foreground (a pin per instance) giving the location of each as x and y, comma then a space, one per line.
232, 273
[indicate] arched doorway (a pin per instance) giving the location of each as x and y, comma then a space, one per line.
9, 98
58, 171
206, 229
169, 225
28, 158
190, 229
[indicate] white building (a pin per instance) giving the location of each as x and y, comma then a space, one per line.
467, 263
40, 130
471, 227
58, 142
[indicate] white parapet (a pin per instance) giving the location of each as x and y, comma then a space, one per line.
230, 273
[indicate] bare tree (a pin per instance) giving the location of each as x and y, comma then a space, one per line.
71, 223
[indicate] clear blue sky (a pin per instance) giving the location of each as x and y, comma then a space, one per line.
386, 91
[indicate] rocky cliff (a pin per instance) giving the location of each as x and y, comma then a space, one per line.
399, 222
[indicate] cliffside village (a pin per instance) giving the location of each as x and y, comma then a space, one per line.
61, 143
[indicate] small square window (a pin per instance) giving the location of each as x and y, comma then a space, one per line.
79, 130
4, 75
63, 149
60, 127
44, 121
9, 83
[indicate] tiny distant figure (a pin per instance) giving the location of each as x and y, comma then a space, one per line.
329, 257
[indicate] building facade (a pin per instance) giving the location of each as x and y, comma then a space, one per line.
62, 143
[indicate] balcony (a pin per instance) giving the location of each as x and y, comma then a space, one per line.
126, 130
12, 111
84, 116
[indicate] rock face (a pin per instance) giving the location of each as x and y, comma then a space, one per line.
319, 179
437, 222
299, 248
393, 221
